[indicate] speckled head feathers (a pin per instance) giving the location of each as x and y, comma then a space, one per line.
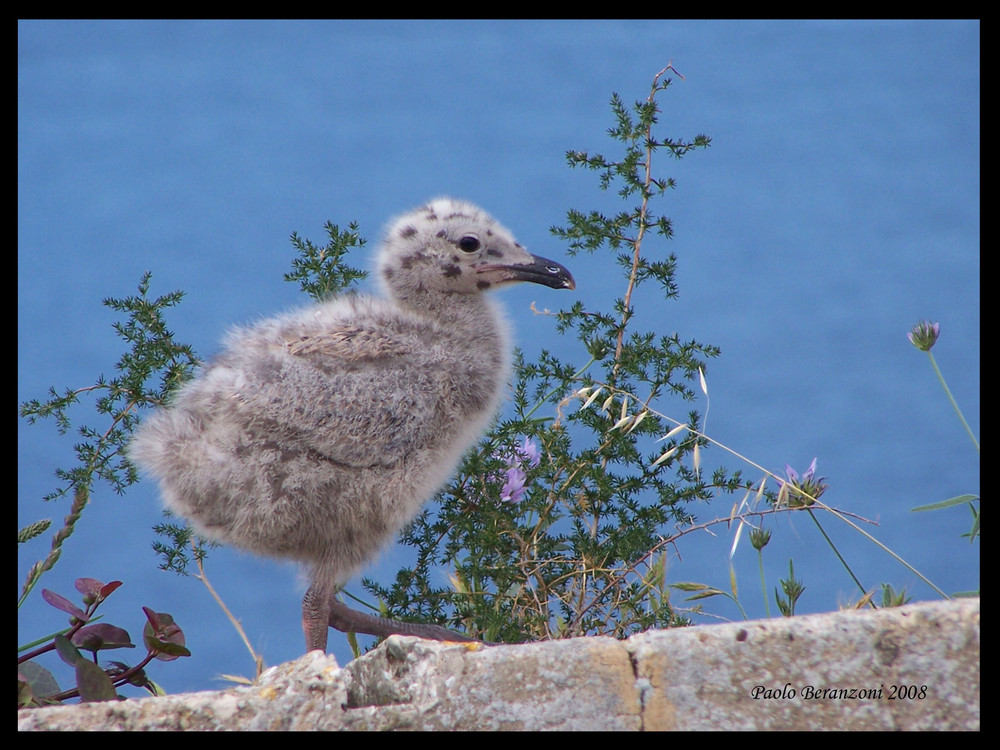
455, 247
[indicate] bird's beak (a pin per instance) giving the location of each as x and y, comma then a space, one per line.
539, 271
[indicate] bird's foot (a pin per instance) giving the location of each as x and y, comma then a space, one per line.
348, 620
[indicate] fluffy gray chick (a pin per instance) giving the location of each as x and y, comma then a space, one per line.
317, 435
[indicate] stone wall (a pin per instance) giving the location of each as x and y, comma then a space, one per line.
908, 668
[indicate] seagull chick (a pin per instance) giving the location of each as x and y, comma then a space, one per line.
317, 435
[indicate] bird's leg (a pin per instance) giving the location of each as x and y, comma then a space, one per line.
315, 616
347, 620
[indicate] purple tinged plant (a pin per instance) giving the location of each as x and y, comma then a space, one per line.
801, 491
514, 484
924, 335
36, 686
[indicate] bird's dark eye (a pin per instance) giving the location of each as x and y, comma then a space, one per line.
469, 243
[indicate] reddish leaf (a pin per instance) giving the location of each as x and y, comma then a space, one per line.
61, 602
109, 588
89, 587
102, 636
162, 636
153, 617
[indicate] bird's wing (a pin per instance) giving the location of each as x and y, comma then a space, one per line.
358, 395
349, 343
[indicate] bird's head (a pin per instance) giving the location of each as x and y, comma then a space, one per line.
453, 247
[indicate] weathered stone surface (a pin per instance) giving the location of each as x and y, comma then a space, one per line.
303, 694
913, 667
581, 684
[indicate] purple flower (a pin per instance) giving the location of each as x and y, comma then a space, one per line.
800, 492
924, 335
513, 488
530, 452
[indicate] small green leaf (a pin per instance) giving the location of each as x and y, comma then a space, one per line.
958, 500
94, 685
41, 680
67, 651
